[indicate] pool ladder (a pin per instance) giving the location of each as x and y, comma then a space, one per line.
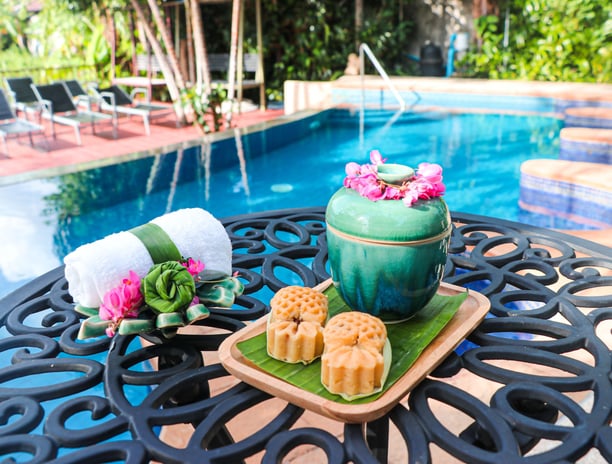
364, 50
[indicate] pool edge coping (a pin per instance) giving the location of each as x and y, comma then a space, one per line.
56, 171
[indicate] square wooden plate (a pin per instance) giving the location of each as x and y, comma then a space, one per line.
468, 316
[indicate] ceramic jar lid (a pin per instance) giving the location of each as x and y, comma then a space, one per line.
387, 220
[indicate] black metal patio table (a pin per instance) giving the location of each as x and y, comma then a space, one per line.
533, 383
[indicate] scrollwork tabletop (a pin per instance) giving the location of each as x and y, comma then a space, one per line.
533, 383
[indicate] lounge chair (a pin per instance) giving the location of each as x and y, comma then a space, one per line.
23, 98
79, 95
116, 100
10, 124
58, 107
148, 64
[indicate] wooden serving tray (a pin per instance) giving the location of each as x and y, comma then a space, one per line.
468, 316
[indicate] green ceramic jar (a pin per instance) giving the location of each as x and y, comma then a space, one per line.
386, 258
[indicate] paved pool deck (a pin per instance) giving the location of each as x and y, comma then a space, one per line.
52, 156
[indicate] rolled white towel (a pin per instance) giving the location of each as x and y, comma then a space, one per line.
95, 268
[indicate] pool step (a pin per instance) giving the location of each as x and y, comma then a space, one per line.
598, 117
586, 144
575, 190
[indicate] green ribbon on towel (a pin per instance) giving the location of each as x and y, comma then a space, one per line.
160, 246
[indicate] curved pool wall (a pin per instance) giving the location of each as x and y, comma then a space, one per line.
461, 93
385, 98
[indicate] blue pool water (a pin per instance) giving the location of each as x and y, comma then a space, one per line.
292, 165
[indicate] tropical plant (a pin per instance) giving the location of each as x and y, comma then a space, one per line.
388, 43
13, 22
552, 40
312, 40
205, 107
308, 40
65, 39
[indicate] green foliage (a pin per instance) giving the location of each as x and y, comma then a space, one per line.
552, 40
310, 43
204, 108
387, 43
13, 20
306, 40
66, 39
311, 40
16, 62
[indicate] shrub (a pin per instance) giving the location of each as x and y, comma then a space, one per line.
551, 40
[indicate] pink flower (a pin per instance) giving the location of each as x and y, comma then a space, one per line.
193, 266
372, 191
121, 302
376, 158
410, 197
432, 172
364, 179
352, 169
393, 193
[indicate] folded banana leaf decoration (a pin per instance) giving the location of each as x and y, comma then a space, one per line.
171, 295
187, 305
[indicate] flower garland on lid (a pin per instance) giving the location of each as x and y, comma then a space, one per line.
373, 182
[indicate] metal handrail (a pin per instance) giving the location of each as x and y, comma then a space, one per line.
364, 49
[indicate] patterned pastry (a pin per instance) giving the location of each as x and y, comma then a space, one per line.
295, 328
353, 362
354, 327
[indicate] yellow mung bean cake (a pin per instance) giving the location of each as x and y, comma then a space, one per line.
353, 328
295, 327
353, 362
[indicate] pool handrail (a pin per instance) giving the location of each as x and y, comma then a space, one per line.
364, 50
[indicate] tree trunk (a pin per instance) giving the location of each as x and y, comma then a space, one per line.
191, 73
163, 30
111, 37
133, 42
234, 36
358, 21
201, 57
169, 76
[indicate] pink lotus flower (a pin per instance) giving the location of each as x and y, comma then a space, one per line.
121, 302
426, 184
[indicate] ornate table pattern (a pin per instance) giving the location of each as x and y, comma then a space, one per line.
533, 383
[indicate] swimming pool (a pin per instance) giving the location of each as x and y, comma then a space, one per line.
290, 165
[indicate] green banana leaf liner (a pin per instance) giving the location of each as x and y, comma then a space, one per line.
408, 340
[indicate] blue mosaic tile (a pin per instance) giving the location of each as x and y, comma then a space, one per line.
385, 98
584, 121
566, 198
591, 152
562, 105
